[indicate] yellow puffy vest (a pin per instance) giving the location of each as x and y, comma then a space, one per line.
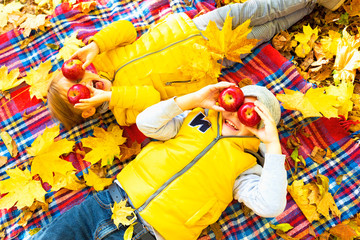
155, 59
184, 184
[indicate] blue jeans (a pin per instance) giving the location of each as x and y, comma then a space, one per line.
89, 220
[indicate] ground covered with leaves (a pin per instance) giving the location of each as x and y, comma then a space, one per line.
323, 46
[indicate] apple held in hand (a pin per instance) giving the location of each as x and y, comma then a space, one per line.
231, 99
247, 114
72, 69
77, 92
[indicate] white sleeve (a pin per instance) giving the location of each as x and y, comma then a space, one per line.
264, 189
161, 121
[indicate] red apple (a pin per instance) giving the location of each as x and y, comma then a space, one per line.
247, 114
77, 92
72, 69
231, 99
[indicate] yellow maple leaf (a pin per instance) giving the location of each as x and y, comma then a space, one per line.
314, 103
105, 145
306, 40
6, 10
344, 92
330, 44
47, 154
68, 181
9, 80
311, 201
201, 65
300, 196
39, 80
122, 214
71, 45
21, 188
34, 22
227, 42
347, 58
99, 183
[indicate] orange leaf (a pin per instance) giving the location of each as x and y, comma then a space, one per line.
354, 8
343, 231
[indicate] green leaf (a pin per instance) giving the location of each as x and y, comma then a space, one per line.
282, 226
52, 46
344, 19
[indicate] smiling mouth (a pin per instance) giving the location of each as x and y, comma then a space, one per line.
98, 84
230, 124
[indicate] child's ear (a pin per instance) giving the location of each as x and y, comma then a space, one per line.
88, 112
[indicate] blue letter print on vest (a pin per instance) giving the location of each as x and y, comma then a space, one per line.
198, 120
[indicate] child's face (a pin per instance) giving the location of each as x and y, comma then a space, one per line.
89, 79
232, 125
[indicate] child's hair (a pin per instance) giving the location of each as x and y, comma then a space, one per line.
59, 106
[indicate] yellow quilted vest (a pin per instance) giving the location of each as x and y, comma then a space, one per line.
184, 184
156, 58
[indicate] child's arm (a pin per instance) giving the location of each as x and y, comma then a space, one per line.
163, 120
116, 34
204, 98
119, 33
264, 189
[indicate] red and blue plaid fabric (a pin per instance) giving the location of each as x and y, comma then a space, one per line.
25, 119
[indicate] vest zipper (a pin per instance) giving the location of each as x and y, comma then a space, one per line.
147, 54
189, 165
170, 83
182, 171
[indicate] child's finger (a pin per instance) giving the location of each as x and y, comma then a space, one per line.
218, 108
261, 114
265, 114
81, 106
263, 108
86, 64
224, 84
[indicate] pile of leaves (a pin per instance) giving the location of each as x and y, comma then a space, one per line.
324, 47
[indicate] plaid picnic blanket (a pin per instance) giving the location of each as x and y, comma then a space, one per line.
25, 119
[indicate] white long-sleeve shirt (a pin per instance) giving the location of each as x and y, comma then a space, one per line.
262, 189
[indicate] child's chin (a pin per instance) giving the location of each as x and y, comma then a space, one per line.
227, 131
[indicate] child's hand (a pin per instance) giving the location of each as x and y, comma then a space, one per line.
268, 134
87, 54
208, 96
205, 97
97, 98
